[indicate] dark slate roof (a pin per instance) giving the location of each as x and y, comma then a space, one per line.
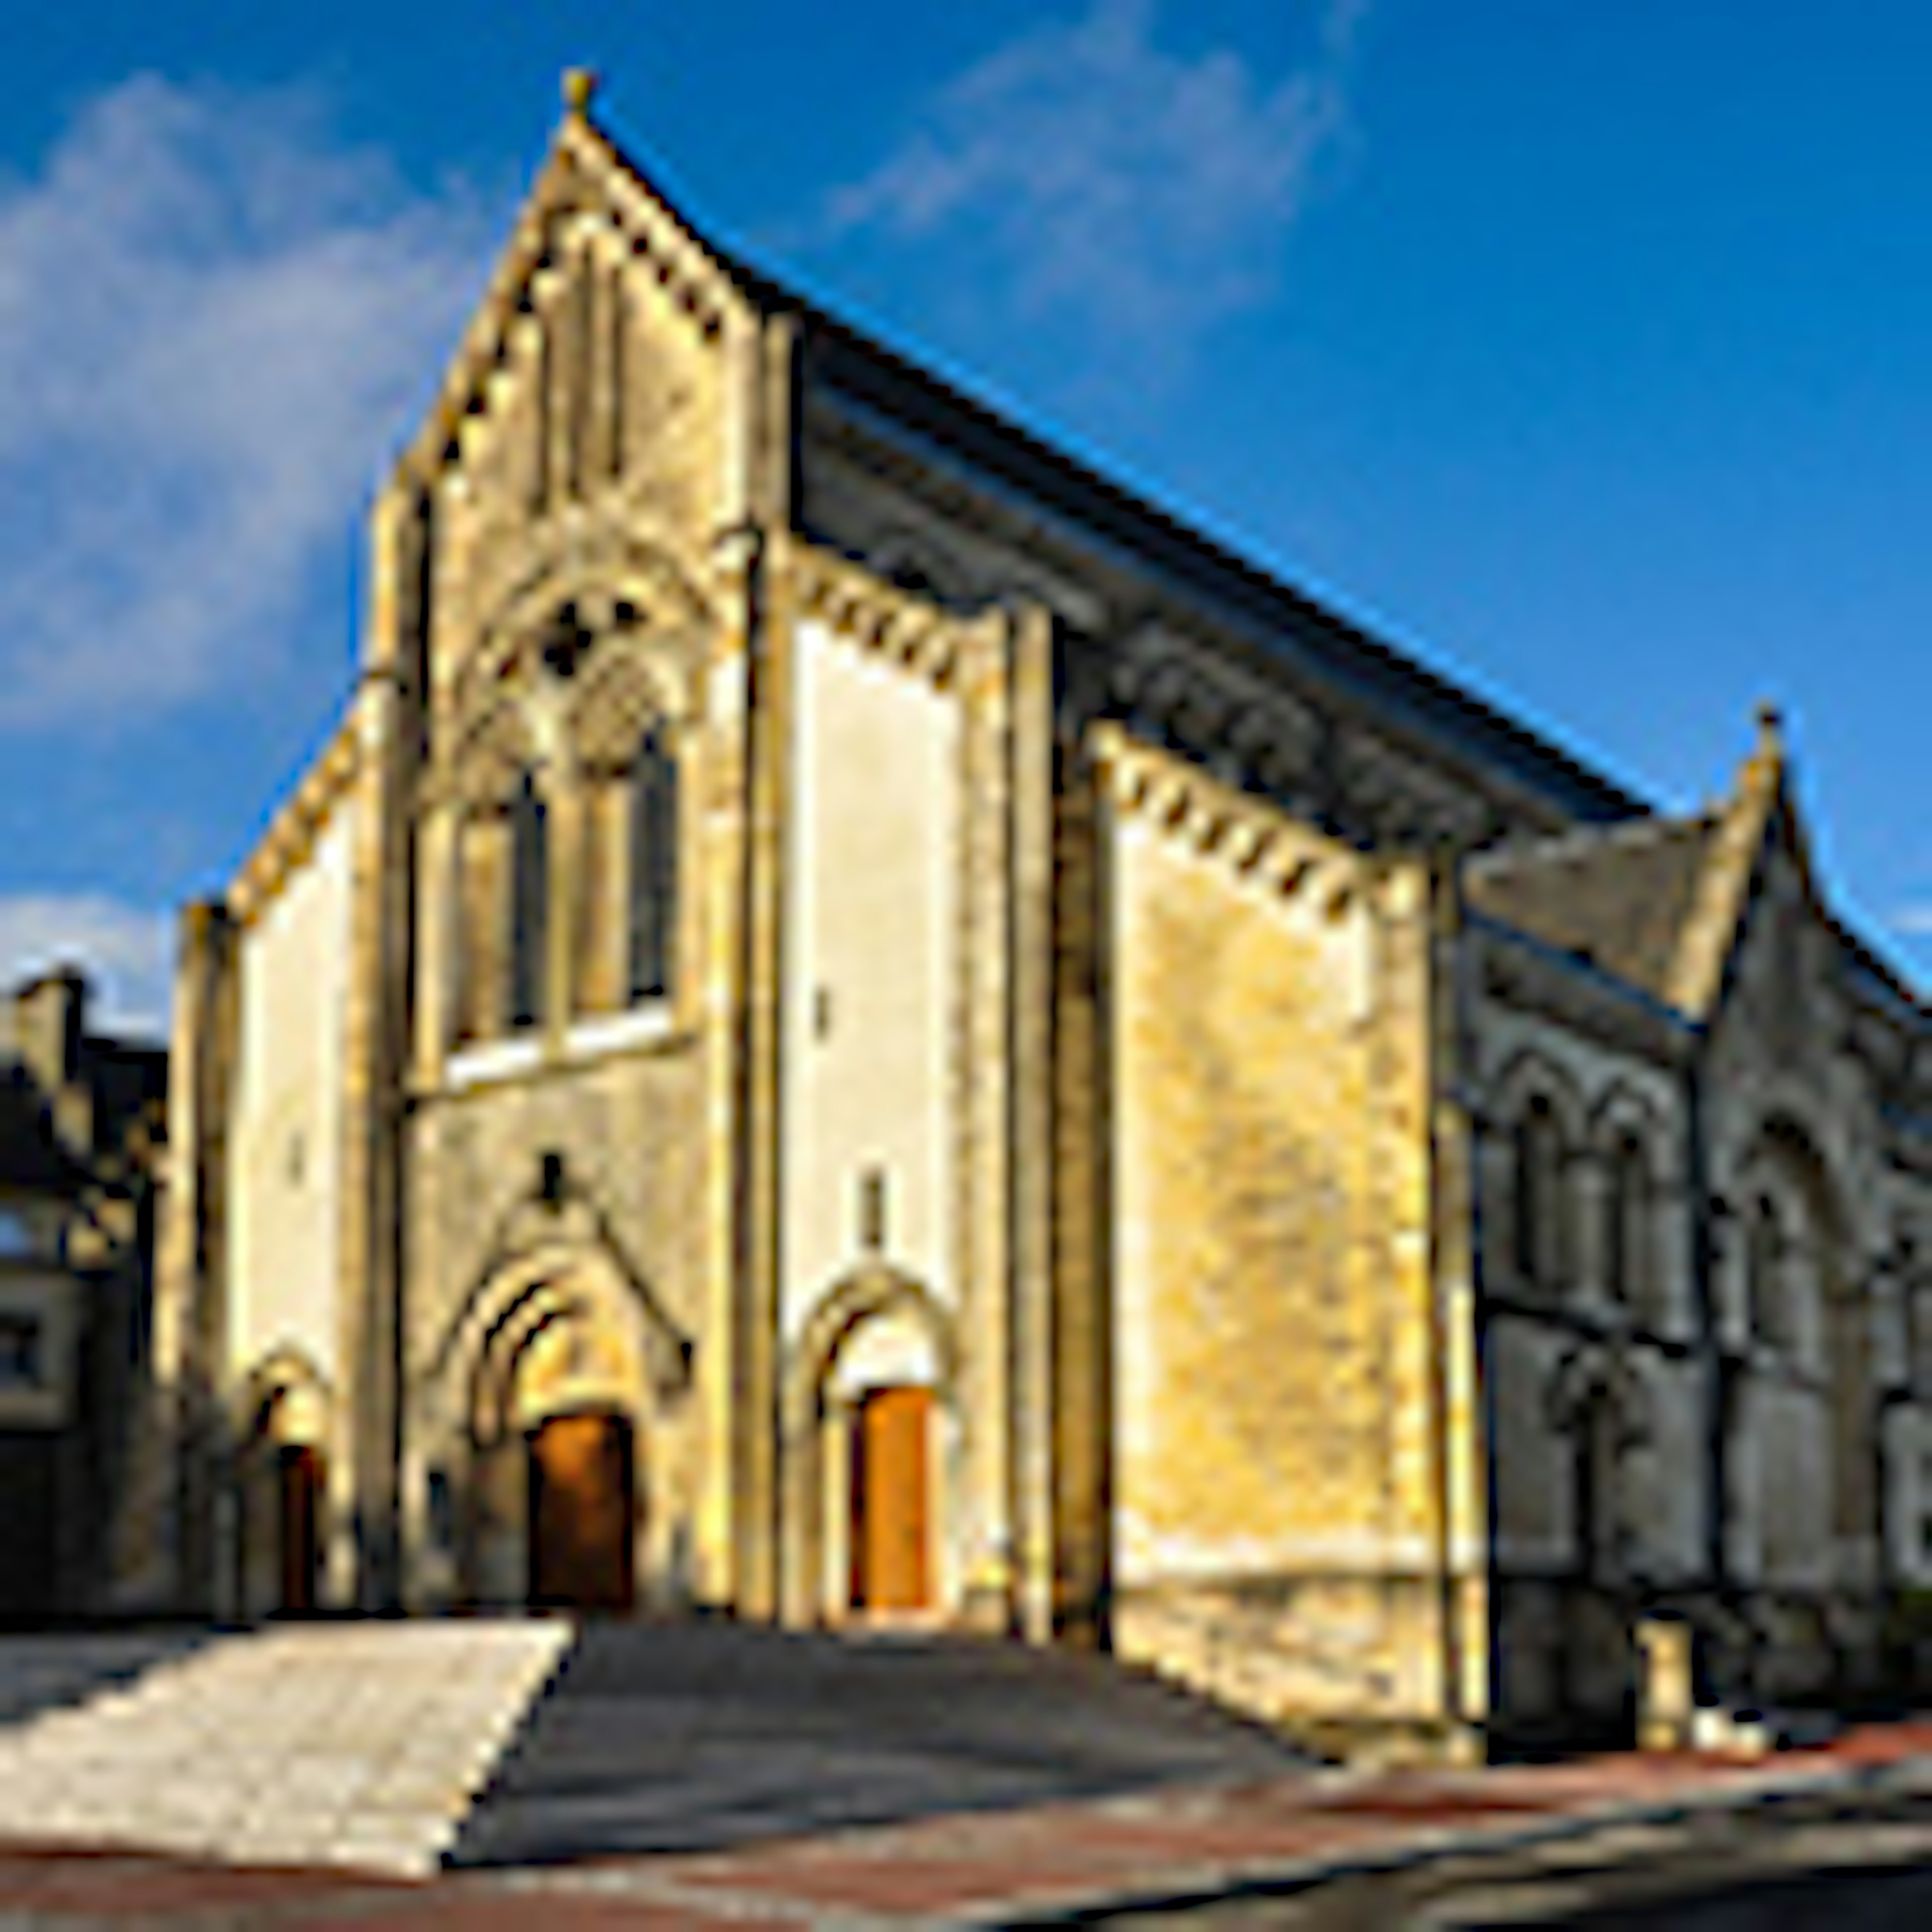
1007, 457
1624, 897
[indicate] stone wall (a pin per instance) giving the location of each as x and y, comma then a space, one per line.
286, 1145
1277, 1415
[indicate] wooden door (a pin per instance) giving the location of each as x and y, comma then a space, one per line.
581, 1488
890, 1527
298, 1510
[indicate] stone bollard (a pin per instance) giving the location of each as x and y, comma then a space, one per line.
1666, 1700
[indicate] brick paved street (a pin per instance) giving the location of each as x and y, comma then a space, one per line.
1081, 1796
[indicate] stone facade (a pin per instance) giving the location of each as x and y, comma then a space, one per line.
971, 1058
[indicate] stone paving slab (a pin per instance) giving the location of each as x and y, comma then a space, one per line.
360, 1745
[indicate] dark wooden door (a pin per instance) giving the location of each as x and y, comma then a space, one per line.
582, 1484
298, 1510
889, 1528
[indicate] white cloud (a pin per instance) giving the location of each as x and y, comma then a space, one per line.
127, 952
211, 324
1142, 193
1916, 920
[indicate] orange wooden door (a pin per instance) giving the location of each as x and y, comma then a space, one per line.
298, 1510
581, 1491
889, 1529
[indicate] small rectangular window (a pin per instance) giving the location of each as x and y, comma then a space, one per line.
872, 1210
20, 1352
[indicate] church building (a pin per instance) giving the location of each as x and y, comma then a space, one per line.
856, 1026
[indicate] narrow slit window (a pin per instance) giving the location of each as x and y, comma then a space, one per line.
529, 904
653, 907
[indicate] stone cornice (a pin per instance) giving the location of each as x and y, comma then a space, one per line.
289, 842
896, 625
1252, 838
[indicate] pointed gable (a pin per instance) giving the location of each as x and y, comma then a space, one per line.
598, 414
1660, 904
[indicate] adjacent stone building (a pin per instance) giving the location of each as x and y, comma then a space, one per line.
856, 1025
80, 1122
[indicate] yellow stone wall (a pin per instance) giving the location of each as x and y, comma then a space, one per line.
1277, 1478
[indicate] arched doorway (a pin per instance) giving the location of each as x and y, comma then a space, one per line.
871, 1426
299, 1495
582, 1510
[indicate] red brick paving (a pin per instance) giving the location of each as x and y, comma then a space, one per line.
1168, 1840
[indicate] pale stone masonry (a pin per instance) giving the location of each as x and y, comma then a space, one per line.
856, 1025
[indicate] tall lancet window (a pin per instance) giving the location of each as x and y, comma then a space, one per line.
653, 921
529, 904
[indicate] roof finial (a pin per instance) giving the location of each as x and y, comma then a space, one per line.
580, 89
1770, 731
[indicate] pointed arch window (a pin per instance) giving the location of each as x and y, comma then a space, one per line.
1627, 1224
530, 903
653, 924
1764, 1272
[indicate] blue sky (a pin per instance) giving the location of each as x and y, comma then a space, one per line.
1585, 350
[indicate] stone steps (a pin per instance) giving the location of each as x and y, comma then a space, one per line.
356, 1745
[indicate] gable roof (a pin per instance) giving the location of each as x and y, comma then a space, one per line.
929, 410
1662, 903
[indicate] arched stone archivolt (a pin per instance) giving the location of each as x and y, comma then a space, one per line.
558, 1331
878, 1335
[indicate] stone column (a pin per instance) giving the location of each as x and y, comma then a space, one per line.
167, 1533
981, 1217
1031, 1133
755, 1329
1083, 1374
1462, 1449
711, 995
439, 937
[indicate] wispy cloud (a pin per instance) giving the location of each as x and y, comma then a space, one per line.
127, 952
1142, 194
1916, 920
212, 320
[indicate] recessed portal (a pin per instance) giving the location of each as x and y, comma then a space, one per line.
890, 1566
582, 1484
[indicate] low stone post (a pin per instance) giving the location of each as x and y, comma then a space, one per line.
1666, 1699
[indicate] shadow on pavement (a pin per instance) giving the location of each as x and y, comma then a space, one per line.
41, 1672
696, 1738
